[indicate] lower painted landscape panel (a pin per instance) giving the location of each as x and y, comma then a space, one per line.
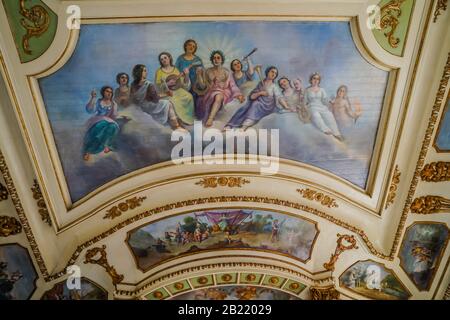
194, 232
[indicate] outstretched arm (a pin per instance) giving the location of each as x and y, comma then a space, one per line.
90, 106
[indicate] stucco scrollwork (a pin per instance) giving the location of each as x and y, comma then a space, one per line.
9, 226
97, 255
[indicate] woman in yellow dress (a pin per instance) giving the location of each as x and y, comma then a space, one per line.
174, 85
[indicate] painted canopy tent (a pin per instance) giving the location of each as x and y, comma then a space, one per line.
223, 220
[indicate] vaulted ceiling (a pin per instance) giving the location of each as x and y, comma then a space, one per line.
344, 193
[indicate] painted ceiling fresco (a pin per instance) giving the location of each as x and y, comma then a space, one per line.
222, 229
330, 121
132, 89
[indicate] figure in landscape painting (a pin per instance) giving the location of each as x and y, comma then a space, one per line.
226, 229
374, 281
17, 274
131, 128
421, 251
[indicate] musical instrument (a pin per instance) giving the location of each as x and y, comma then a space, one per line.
251, 52
173, 81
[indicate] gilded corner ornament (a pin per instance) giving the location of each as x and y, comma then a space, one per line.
344, 242
324, 200
37, 195
436, 172
122, 207
9, 226
390, 14
33, 25
393, 187
440, 5
3, 192
430, 205
214, 182
97, 255
325, 293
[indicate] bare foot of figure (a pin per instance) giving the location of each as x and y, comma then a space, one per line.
209, 123
86, 157
226, 128
106, 150
340, 138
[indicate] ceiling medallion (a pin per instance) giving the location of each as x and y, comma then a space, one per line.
97, 255
393, 187
327, 293
441, 5
214, 182
430, 204
122, 207
37, 195
344, 242
3, 192
9, 226
324, 200
436, 172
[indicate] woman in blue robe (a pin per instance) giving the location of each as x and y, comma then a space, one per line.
263, 101
102, 127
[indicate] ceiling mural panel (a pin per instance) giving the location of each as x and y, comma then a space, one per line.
17, 274
242, 229
374, 280
89, 290
297, 152
442, 142
421, 251
96, 146
236, 293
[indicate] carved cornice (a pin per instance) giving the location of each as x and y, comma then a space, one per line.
440, 95
3, 192
436, 172
215, 200
22, 218
122, 207
430, 205
390, 14
313, 195
214, 182
97, 255
441, 5
327, 293
393, 187
37, 195
222, 266
344, 242
9, 226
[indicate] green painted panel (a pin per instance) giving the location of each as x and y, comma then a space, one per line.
390, 16
250, 278
294, 286
273, 281
158, 294
202, 281
223, 278
178, 287
33, 26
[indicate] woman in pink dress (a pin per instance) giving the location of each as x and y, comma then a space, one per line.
217, 89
